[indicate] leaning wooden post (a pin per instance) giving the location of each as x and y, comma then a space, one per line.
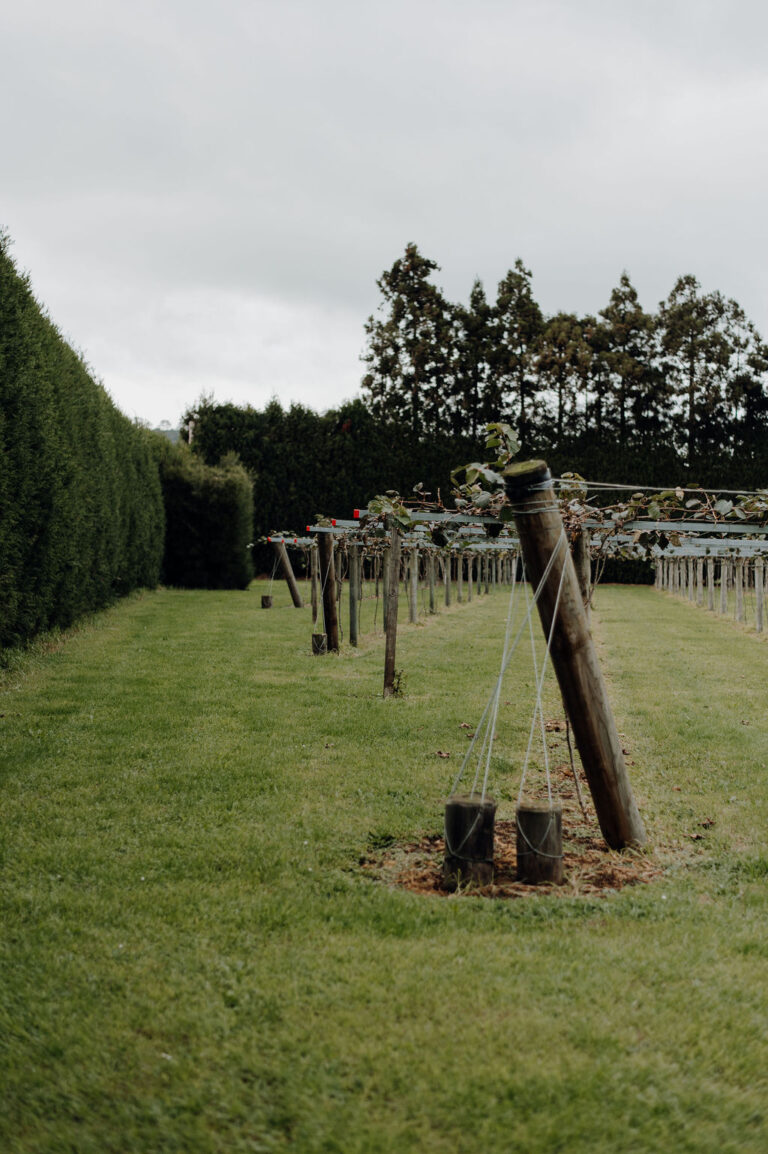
393, 583
354, 591
759, 589
328, 587
290, 578
583, 564
413, 588
542, 540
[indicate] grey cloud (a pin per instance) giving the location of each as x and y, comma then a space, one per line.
285, 152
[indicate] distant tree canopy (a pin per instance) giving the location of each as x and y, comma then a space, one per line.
627, 395
687, 382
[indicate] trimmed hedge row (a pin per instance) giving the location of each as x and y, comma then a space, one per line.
209, 520
627, 571
81, 508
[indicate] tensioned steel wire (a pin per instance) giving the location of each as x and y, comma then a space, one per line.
486, 725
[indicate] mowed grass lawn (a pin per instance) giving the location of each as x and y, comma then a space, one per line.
193, 960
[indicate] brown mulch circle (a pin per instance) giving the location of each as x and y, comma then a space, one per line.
589, 867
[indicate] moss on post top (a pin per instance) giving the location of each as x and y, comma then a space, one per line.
524, 475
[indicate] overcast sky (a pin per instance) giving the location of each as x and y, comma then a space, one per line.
205, 193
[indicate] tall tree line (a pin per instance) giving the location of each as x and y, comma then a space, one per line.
685, 385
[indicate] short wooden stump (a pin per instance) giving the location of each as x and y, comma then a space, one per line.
469, 821
539, 830
266, 601
319, 644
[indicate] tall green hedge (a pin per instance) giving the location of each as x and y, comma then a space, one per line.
81, 508
209, 517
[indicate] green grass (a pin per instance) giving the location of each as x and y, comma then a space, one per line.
191, 959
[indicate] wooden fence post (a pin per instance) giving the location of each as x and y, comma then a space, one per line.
542, 539
723, 586
290, 578
759, 590
431, 580
447, 578
313, 580
739, 582
699, 580
328, 587
583, 564
393, 588
413, 588
711, 583
459, 577
470, 565
385, 563
354, 591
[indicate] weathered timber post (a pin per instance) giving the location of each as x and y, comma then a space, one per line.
385, 562
690, 578
459, 577
487, 562
313, 581
469, 822
711, 584
290, 578
699, 580
470, 566
393, 586
338, 568
542, 539
739, 589
759, 590
431, 581
583, 565
413, 588
447, 575
723, 586
354, 591
328, 588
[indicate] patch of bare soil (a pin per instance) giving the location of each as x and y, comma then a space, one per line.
589, 867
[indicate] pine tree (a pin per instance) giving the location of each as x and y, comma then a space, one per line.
628, 333
696, 359
475, 341
519, 327
411, 352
